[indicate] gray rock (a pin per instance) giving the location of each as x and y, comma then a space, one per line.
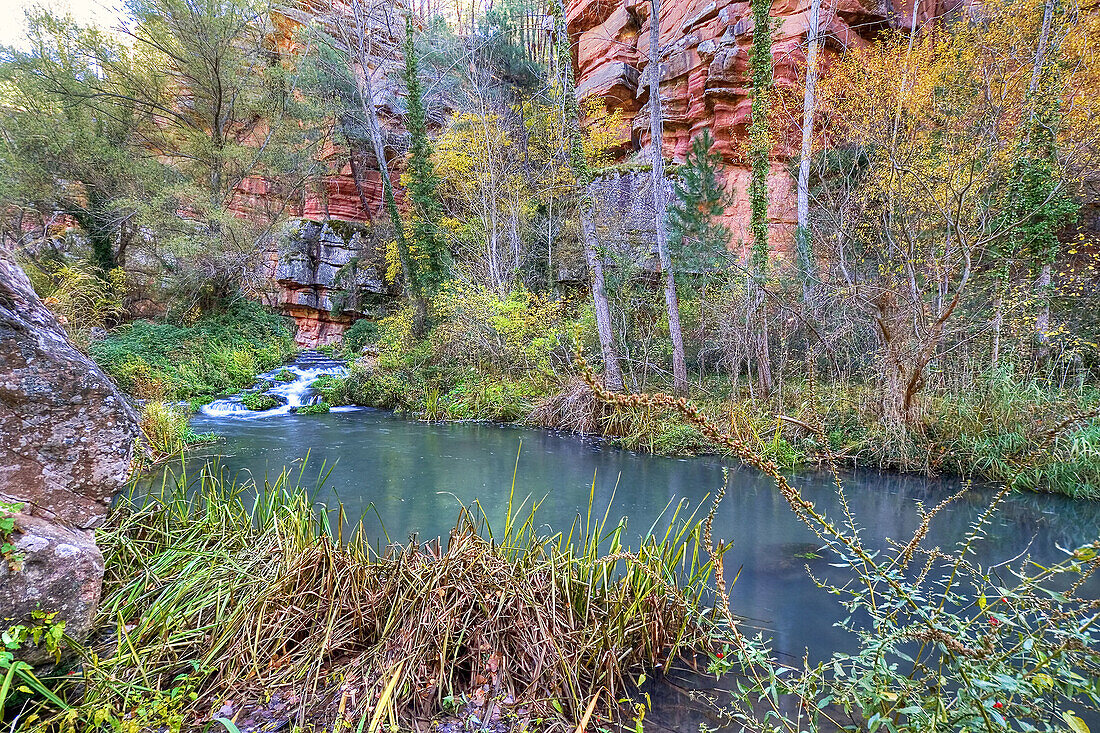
67, 437
60, 571
67, 433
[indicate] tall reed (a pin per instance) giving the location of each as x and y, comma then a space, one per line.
222, 591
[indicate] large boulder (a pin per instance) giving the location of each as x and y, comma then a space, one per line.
55, 569
67, 436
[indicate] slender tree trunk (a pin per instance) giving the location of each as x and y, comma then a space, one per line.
998, 324
660, 200
761, 64
612, 376
366, 99
1042, 321
809, 101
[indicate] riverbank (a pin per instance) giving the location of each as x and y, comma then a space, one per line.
202, 619
224, 601
998, 429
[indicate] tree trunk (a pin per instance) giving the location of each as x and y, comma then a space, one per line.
366, 99
809, 102
613, 376
660, 203
1042, 321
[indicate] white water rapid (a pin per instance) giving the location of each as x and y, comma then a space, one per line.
289, 395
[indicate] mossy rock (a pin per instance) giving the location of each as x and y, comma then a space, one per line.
318, 408
285, 375
258, 402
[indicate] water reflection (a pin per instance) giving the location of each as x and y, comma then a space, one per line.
418, 475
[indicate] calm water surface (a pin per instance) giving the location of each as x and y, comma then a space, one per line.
416, 476
413, 477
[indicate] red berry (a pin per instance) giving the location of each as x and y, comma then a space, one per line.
993, 621
998, 705
719, 655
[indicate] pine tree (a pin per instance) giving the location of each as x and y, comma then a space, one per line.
427, 250
698, 240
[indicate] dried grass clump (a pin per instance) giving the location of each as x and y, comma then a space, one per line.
574, 409
515, 628
227, 601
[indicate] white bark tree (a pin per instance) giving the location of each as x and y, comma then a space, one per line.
660, 200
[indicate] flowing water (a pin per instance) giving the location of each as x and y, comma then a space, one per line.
289, 395
411, 478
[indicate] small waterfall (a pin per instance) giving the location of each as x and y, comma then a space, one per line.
288, 395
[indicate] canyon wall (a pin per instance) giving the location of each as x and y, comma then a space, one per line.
329, 274
304, 259
705, 79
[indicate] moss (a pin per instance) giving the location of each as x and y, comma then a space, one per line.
346, 229
258, 402
317, 408
285, 375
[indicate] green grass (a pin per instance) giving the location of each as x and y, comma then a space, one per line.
219, 591
166, 430
216, 354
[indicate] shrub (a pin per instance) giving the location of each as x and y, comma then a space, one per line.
285, 375
81, 296
166, 430
258, 401
332, 388
362, 332
217, 353
518, 335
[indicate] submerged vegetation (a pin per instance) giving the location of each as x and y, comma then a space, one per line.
227, 597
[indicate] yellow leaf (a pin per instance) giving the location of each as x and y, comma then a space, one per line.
1075, 724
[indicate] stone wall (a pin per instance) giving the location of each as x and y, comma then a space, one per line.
67, 436
328, 275
624, 215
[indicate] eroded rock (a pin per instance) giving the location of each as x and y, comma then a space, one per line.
67, 436
66, 432
705, 79
328, 275
54, 569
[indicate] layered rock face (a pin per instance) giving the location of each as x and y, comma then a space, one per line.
66, 439
705, 78
351, 193
329, 274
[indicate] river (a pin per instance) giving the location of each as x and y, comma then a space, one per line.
411, 477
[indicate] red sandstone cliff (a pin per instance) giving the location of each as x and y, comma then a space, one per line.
705, 81
302, 273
